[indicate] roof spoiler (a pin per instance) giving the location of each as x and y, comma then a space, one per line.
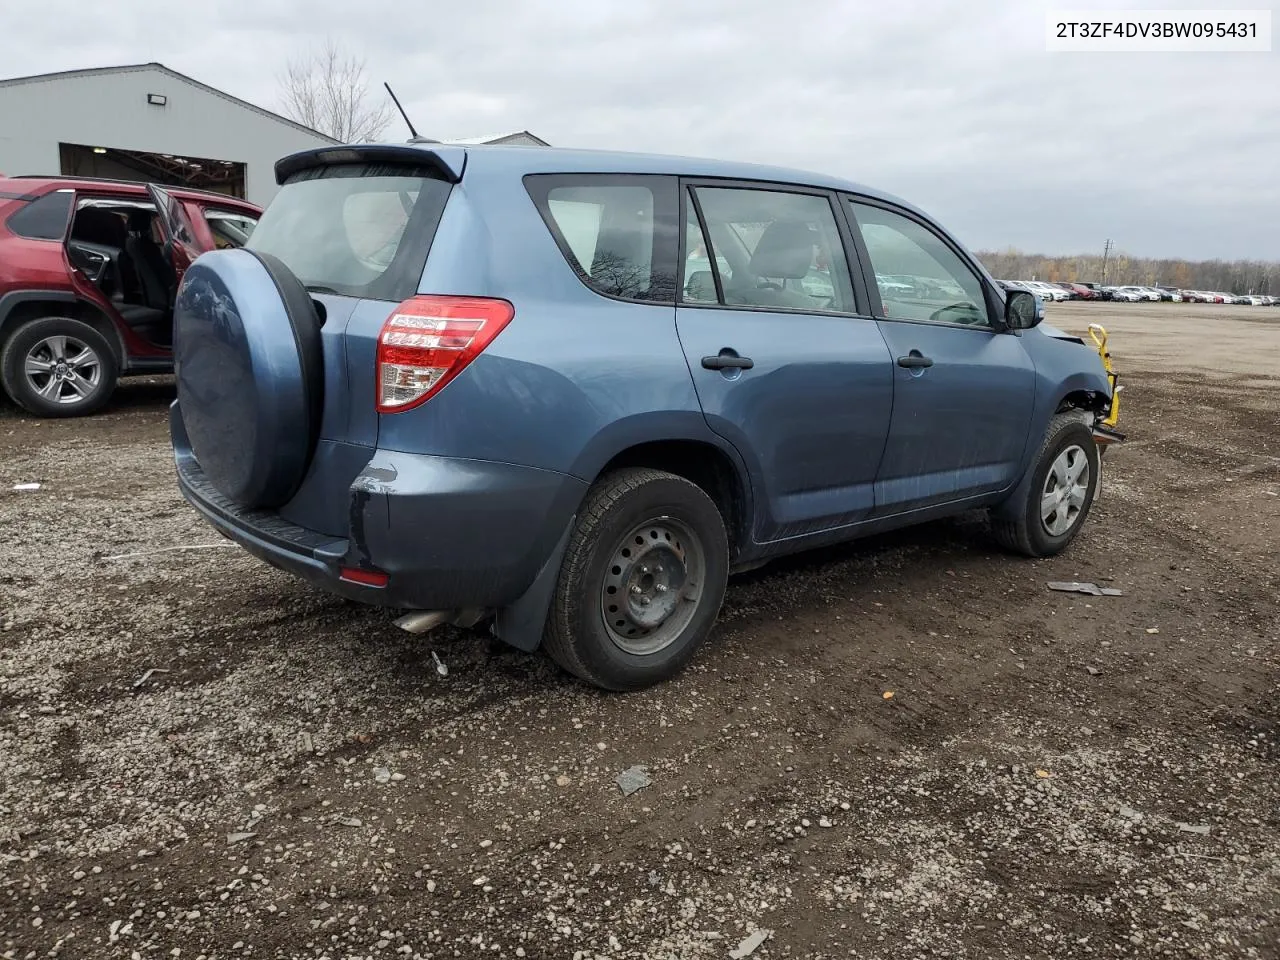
447, 161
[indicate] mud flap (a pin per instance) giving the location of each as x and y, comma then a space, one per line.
521, 623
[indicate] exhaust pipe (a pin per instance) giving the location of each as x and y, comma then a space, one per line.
420, 621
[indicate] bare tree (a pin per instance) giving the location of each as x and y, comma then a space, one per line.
326, 90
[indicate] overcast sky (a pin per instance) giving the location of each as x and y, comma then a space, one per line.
953, 105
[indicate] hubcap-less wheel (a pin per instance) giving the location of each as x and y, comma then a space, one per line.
62, 369
1066, 489
652, 585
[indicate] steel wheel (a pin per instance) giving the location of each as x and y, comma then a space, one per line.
62, 369
1066, 491
651, 588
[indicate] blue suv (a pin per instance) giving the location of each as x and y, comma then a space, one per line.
574, 391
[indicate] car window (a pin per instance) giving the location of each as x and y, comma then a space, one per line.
230, 230
772, 249
919, 276
699, 275
362, 230
44, 218
616, 232
106, 221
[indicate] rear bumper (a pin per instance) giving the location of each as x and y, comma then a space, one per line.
449, 533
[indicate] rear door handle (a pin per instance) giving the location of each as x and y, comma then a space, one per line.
915, 361
727, 361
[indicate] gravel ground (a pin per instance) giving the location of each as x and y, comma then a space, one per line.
1053, 776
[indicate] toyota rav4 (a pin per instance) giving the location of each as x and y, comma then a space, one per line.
571, 392
88, 274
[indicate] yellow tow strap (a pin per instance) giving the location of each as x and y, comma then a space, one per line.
1098, 334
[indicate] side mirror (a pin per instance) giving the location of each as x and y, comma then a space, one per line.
1022, 309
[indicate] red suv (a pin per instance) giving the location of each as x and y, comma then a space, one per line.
88, 274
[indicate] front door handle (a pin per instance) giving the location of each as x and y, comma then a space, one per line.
727, 361
915, 361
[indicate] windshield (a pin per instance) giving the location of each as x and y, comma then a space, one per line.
355, 229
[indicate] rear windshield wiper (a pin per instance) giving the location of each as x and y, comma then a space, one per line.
319, 288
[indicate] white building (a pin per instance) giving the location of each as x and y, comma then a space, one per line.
147, 122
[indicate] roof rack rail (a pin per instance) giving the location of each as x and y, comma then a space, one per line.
118, 180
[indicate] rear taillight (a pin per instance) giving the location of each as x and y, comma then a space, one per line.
429, 340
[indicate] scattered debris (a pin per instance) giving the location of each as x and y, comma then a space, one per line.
185, 546
440, 667
1043, 775
887, 695
1201, 831
1093, 671
562, 781
1153, 629
1129, 813
486, 844
1074, 586
351, 821
825, 823
382, 774
633, 779
26, 486
748, 946
234, 838
306, 743
147, 676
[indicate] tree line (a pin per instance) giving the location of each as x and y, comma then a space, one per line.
1225, 276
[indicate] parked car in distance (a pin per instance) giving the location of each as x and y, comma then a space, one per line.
1126, 294
495, 384
1080, 291
88, 274
1045, 291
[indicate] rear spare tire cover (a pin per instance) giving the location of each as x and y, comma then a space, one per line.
249, 364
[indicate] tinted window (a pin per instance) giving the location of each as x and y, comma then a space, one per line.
44, 218
773, 249
919, 276
355, 229
616, 232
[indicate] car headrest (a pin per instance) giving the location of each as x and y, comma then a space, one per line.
96, 225
785, 250
140, 221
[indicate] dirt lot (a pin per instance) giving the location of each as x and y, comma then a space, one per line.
1055, 776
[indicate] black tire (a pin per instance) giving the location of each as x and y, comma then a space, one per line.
30, 340
1028, 534
578, 636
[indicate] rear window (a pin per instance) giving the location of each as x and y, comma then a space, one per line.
617, 232
44, 218
361, 230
